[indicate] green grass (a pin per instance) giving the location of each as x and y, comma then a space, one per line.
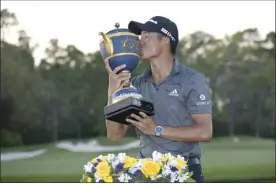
27, 148
104, 141
223, 160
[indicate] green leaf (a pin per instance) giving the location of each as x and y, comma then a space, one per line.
191, 174
190, 180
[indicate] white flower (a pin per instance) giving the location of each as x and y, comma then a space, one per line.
100, 157
140, 162
97, 178
124, 178
183, 177
180, 157
173, 177
159, 176
166, 170
135, 167
114, 163
156, 156
88, 167
156, 177
152, 178
110, 157
168, 155
172, 162
132, 170
121, 157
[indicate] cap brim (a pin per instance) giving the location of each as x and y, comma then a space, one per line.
137, 27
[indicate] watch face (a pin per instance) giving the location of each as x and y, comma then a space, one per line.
159, 129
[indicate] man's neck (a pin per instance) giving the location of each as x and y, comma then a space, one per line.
161, 67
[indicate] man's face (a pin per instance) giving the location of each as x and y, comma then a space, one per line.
151, 44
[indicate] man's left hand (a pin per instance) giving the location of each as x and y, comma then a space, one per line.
143, 122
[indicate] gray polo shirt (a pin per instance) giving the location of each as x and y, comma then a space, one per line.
184, 92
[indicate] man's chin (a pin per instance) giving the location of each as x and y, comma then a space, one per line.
143, 57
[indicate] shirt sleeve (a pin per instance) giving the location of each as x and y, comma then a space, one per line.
199, 98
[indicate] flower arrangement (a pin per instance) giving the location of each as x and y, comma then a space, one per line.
123, 168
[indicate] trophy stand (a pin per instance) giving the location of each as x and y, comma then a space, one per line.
127, 103
119, 111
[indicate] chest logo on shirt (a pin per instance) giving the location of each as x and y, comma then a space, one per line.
173, 93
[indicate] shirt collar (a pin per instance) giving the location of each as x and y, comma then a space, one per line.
174, 71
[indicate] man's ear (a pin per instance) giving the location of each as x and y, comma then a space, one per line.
166, 40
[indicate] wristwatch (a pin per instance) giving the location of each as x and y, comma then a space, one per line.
158, 130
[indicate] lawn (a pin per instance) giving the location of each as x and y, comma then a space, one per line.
249, 159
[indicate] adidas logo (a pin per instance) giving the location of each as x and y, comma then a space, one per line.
173, 93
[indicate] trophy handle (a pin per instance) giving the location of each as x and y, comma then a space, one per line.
107, 43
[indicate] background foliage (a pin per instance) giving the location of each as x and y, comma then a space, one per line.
63, 97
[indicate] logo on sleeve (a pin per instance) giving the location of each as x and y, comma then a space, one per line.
202, 97
203, 101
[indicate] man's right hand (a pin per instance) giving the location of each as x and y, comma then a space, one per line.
116, 81
115, 131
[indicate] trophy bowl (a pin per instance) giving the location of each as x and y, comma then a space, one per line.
120, 46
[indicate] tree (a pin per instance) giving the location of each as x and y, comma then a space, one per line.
8, 19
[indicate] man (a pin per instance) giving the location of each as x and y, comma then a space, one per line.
180, 96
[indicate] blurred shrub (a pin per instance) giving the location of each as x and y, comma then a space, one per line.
9, 138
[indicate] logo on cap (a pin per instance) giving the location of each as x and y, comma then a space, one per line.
166, 32
153, 21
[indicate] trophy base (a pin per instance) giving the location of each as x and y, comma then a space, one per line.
119, 111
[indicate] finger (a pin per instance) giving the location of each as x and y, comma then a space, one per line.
144, 115
106, 63
122, 74
118, 68
121, 77
135, 123
136, 117
126, 83
124, 79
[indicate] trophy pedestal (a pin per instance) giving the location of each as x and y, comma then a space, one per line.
119, 111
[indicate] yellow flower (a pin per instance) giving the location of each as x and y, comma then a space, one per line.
94, 160
180, 163
129, 161
108, 179
103, 169
165, 158
89, 180
150, 168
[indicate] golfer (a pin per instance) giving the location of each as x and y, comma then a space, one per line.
181, 98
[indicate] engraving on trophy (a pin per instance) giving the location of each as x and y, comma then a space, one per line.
130, 45
124, 42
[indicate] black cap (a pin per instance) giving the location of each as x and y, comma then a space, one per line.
157, 24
